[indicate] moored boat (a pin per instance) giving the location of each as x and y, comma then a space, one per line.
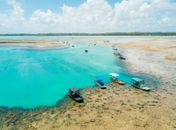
114, 78
74, 93
99, 82
122, 57
139, 83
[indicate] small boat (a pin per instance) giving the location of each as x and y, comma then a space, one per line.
114, 78
74, 93
100, 83
122, 57
139, 83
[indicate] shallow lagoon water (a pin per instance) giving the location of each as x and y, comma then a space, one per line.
32, 78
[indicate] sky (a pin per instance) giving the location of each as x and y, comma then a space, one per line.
87, 16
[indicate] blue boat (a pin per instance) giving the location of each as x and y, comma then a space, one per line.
99, 82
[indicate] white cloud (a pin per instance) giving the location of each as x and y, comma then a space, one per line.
13, 21
17, 10
94, 16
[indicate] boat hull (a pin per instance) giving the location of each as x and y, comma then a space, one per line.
118, 82
102, 87
80, 99
142, 88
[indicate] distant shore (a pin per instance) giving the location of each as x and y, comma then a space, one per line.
37, 44
96, 34
29, 41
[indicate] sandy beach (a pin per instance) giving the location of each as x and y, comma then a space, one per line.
118, 107
35, 44
157, 58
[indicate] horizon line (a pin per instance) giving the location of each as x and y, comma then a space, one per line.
88, 34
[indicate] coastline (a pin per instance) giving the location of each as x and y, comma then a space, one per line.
152, 58
133, 109
35, 44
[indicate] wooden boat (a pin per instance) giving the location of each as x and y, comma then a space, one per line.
117, 81
114, 78
75, 95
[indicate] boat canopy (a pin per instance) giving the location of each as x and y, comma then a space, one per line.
114, 74
137, 79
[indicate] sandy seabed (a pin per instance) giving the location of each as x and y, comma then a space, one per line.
117, 107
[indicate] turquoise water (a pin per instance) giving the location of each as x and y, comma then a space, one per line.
32, 78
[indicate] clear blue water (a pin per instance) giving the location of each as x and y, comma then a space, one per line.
31, 78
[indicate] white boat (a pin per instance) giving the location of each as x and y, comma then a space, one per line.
139, 83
